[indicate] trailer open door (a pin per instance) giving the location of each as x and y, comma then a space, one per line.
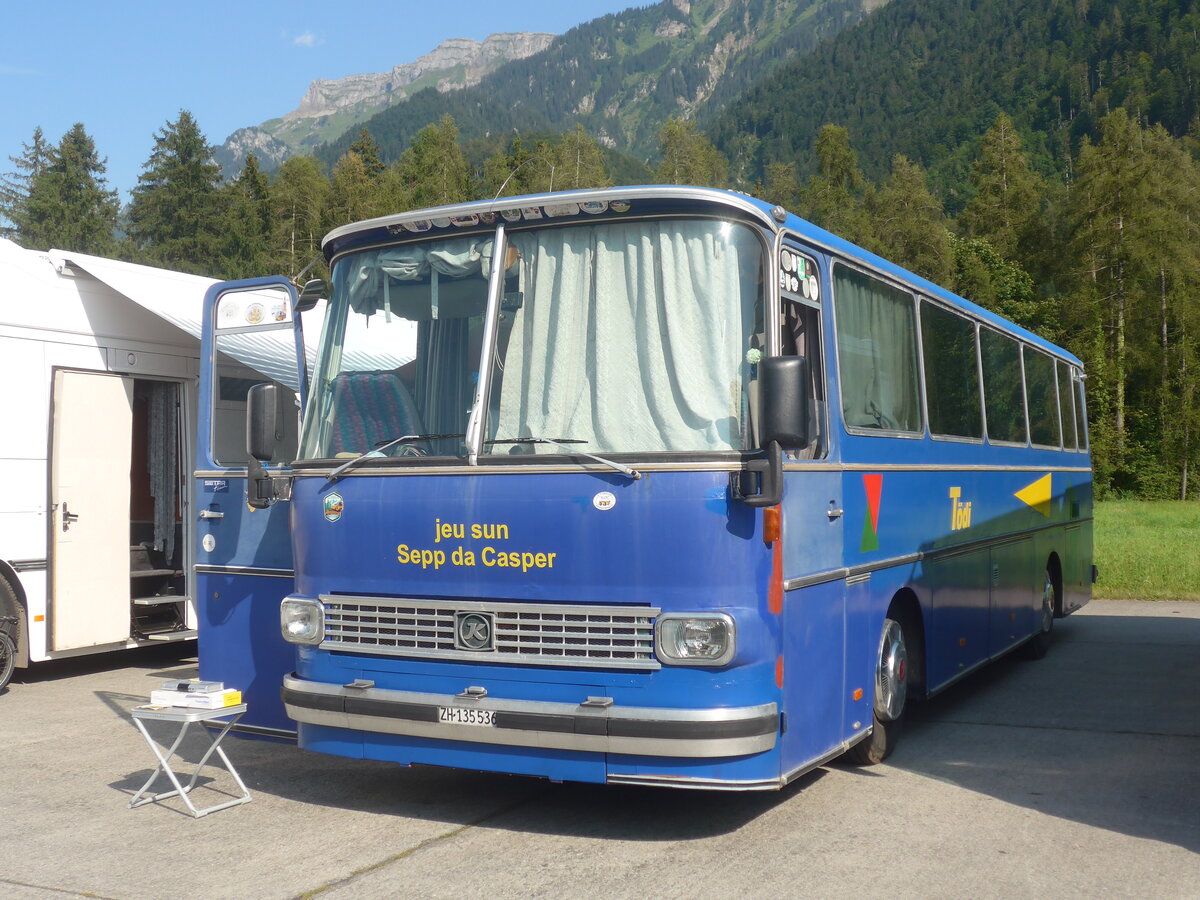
89, 496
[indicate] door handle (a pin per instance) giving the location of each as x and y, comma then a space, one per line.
68, 518
211, 514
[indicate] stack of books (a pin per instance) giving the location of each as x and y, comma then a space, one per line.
196, 694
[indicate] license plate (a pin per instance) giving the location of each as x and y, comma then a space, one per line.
464, 715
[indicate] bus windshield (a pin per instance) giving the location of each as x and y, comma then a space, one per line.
612, 337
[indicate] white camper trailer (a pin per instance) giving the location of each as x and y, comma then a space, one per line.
98, 362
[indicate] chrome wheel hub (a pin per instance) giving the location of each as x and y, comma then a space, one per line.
891, 676
1047, 605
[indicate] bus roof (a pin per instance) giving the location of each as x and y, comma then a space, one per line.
654, 199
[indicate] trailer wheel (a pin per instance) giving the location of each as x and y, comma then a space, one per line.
8, 659
891, 695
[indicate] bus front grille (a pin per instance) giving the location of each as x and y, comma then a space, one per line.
524, 633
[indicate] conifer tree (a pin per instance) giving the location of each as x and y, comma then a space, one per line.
578, 162
368, 152
433, 169
835, 198
14, 186
68, 205
248, 231
354, 194
688, 157
175, 212
507, 173
299, 195
1006, 207
909, 222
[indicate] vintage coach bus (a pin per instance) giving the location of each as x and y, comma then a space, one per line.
653, 485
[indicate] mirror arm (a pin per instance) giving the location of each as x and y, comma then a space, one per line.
761, 482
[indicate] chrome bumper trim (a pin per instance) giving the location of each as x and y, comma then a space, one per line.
634, 730
686, 782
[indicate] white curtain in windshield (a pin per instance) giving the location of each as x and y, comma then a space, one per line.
631, 337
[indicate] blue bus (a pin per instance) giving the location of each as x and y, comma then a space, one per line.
656, 485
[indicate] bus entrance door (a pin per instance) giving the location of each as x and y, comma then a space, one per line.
244, 554
814, 619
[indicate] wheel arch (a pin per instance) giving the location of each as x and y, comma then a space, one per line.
1054, 567
21, 634
906, 609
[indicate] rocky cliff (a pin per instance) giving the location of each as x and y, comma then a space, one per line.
330, 106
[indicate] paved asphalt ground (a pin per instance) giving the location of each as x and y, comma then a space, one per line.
1074, 776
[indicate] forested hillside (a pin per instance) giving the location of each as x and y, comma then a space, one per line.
926, 78
622, 76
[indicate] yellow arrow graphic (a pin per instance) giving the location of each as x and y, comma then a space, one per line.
1037, 495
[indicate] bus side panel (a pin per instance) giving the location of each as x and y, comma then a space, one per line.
1016, 587
814, 672
956, 635
238, 611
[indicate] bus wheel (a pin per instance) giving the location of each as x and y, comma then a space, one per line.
891, 696
1036, 647
8, 659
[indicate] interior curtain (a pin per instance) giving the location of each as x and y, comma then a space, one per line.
164, 474
877, 349
630, 336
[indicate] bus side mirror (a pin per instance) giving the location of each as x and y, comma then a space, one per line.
264, 432
784, 423
314, 290
783, 408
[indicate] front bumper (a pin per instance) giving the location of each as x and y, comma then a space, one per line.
587, 726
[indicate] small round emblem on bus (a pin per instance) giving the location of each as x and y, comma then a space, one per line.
604, 500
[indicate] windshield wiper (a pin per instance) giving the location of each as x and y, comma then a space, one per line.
383, 448
565, 444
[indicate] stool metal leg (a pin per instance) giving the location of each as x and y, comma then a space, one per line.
164, 766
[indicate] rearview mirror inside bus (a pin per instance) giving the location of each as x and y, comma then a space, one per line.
783, 391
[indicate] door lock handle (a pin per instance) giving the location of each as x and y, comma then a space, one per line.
68, 518
211, 514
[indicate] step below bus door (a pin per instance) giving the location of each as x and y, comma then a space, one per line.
244, 563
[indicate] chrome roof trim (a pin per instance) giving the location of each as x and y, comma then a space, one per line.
738, 202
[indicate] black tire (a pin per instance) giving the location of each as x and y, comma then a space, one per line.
1037, 646
11, 607
8, 659
891, 695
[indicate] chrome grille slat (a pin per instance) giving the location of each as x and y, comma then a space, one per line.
527, 633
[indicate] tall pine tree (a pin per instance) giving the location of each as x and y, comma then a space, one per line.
175, 212
247, 242
69, 205
14, 186
433, 170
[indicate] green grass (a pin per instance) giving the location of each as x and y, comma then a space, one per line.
1148, 550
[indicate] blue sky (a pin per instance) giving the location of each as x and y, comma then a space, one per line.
127, 67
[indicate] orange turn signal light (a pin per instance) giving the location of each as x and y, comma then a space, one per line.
771, 524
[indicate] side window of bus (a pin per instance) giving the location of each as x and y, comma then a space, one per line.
1004, 396
951, 373
801, 336
1043, 400
1066, 405
877, 353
